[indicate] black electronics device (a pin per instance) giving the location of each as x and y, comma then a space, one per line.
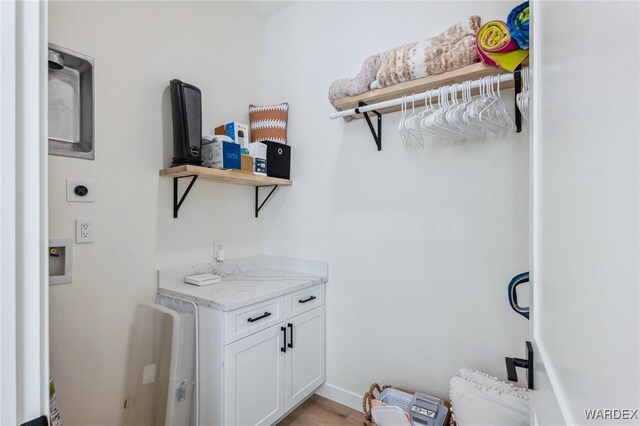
186, 114
278, 159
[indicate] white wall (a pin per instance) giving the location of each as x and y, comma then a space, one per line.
421, 243
138, 48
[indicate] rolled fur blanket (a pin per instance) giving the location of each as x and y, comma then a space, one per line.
452, 49
357, 85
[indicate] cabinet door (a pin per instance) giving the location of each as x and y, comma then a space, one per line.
254, 378
305, 370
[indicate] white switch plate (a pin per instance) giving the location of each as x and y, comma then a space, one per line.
73, 197
84, 231
218, 246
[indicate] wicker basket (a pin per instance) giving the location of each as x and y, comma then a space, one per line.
371, 395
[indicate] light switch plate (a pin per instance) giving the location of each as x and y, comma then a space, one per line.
76, 188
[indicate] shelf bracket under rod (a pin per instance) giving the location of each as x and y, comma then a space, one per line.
260, 205
517, 87
176, 203
377, 138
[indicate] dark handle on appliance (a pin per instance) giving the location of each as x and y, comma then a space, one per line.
512, 363
290, 345
284, 335
266, 314
307, 300
513, 296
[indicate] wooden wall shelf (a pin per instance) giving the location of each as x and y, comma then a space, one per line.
227, 176
408, 88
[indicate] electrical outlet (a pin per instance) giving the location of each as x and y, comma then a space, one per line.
218, 250
84, 231
79, 191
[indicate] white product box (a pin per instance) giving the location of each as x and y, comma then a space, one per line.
212, 150
240, 134
258, 150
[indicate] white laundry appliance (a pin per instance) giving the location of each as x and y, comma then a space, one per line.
161, 386
245, 351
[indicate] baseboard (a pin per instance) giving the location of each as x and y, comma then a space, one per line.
341, 396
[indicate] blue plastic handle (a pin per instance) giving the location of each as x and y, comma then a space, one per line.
513, 297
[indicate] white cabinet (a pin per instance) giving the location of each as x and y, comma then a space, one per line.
248, 370
304, 371
267, 374
254, 374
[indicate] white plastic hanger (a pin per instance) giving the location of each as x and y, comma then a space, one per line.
428, 110
412, 122
403, 113
472, 125
425, 126
496, 112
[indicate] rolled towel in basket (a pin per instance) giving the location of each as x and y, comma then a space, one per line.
518, 24
496, 47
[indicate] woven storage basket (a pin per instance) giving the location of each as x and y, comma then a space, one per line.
376, 388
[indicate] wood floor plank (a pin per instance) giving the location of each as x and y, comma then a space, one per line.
319, 411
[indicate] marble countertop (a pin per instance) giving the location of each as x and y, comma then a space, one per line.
244, 281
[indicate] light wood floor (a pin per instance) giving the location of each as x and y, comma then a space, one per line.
320, 411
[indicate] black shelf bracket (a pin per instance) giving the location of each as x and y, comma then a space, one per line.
260, 205
517, 87
377, 138
176, 203
179, 200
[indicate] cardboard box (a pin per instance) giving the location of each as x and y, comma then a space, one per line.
208, 148
220, 153
230, 156
259, 166
258, 151
238, 132
246, 163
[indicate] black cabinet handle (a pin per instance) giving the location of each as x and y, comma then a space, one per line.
266, 314
290, 328
284, 335
307, 300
